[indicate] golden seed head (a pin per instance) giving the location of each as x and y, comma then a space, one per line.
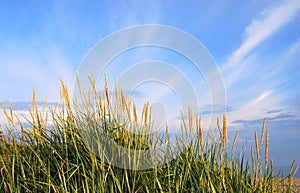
262, 134
190, 119
183, 121
135, 114
267, 149
257, 149
224, 130
292, 167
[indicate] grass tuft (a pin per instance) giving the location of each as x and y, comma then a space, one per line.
50, 153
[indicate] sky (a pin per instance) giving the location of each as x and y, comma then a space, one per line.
255, 44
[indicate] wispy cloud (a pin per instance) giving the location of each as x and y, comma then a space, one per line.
40, 69
274, 111
252, 109
260, 29
256, 87
280, 117
261, 97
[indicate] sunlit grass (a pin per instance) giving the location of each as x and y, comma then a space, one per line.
51, 155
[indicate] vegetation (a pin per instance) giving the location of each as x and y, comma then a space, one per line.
50, 155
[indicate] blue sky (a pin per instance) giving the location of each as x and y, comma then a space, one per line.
256, 45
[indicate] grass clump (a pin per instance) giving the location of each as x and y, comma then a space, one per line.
51, 153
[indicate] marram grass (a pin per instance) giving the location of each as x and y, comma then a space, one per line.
49, 153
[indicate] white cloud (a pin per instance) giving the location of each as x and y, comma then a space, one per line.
293, 50
39, 69
262, 28
261, 97
239, 66
267, 99
253, 109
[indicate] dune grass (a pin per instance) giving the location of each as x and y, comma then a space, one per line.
49, 154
